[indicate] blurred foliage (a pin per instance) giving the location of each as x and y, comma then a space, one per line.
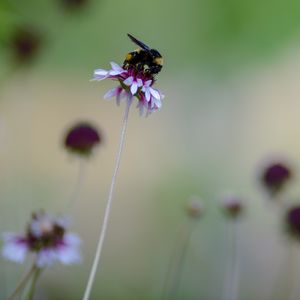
8, 18
215, 34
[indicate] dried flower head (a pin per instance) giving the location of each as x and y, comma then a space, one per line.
275, 176
25, 44
47, 238
293, 221
232, 205
194, 207
133, 81
82, 138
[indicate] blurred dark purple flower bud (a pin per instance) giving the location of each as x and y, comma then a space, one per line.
275, 177
232, 205
293, 221
25, 44
73, 4
82, 138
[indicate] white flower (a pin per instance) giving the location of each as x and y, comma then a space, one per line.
134, 84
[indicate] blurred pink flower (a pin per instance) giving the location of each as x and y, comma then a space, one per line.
45, 237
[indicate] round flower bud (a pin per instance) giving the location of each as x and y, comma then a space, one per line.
25, 44
275, 177
194, 207
293, 221
232, 205
82, 138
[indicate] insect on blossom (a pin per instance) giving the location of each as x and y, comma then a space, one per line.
136, 78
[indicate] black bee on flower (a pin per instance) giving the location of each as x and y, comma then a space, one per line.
136, 78
144, 58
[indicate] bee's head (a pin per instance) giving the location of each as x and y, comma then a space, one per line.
155, 53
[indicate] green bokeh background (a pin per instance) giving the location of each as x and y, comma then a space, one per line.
232, 101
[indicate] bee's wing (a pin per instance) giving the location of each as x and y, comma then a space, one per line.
139, 43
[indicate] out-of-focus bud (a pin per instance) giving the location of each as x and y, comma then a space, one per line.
194, 207
82, 138
25, 44
232, 205
276, 176
292, 220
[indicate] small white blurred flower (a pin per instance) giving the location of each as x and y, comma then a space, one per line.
47, 238
232, 205
194, 207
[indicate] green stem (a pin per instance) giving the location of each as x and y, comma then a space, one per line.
103, 231
78, 187
22, 284
37, 272
175, 269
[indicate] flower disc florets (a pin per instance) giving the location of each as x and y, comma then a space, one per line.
132, 83
47, 238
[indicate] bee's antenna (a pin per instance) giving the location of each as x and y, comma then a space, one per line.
139, 43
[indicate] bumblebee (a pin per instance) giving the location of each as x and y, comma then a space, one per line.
144, 58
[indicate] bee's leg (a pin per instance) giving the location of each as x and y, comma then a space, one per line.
140, 67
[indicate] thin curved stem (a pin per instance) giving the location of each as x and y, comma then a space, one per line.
292, 283
176, 264
22, 284
107, 208
232, 278
235, 262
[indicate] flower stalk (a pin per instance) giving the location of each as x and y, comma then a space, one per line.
174, 274
36, 275
103, 231
75, 196
22, 284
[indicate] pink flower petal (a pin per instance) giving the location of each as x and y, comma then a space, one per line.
140, 82
147, 83
68, 253
46, 257
157, 102
147, 95
128, 81
116, 67
134, 88
155, 93
111, 93
100, 72
15, 248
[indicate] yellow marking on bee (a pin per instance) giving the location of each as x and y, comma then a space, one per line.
159, 61
138, 50
128, 57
